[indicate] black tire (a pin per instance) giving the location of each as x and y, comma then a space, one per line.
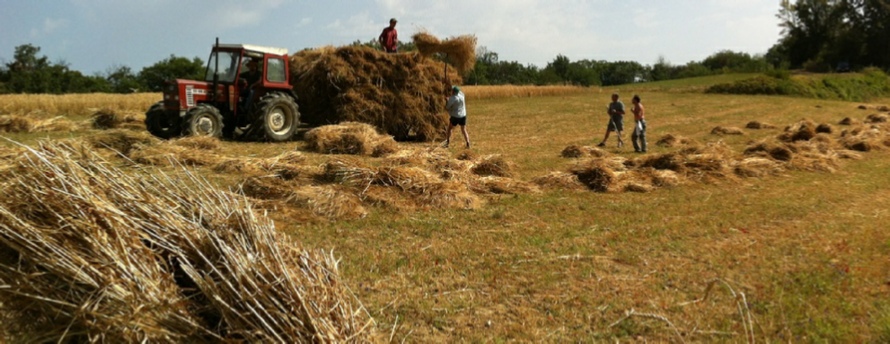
203, 120
162, 124
277, 118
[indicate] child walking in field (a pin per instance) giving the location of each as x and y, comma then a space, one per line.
616, 120
639, 135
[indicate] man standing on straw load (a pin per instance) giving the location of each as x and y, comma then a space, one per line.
457, 110
389, 38
616, 120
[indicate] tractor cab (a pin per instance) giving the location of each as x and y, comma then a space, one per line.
246, 93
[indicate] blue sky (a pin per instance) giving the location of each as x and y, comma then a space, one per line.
93, 36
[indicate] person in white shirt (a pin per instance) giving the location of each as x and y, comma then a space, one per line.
457, 110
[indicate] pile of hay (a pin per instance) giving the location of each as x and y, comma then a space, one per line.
575, 151
24, 124
800, 131
459, 51
721, 130
109, 119
670, 140
349, 138
400, 94
759, 125
156, 258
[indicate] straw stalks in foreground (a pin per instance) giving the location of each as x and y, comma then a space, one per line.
89, 253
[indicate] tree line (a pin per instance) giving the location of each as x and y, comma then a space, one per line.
30, 73
817, 36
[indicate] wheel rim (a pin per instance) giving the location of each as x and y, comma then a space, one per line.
204, 125
278, 121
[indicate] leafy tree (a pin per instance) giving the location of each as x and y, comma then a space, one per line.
122, 80
174, 67
30, 73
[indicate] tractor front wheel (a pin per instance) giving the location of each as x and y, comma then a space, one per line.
203, 120
162, 124
277, 118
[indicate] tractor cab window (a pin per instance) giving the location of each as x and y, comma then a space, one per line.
275, 70
227, 64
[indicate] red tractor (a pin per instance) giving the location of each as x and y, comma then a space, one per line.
231, 101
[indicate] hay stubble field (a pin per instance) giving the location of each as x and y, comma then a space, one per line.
795, 256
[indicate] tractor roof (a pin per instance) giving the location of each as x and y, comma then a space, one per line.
257, 48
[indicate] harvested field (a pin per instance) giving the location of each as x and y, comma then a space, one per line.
721, 239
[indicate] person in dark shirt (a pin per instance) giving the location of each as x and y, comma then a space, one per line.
252, 78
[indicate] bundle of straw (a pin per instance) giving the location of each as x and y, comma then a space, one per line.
89, 253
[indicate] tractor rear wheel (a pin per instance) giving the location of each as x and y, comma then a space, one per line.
277, 118
203, 120
162, 124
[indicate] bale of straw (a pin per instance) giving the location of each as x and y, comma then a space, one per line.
721, 130
884, 108
664, 178
238, 165
459, 51
668, 161
427, 189
400, 94
759, 125
156, 258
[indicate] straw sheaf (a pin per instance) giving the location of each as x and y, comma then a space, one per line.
864, 138
197, 142
328, 201
597, 174
166, 154
123, 141
156, 258
502, 185
670, 140
349, 138
493, 165
800, 131
877, 118
110, 119
849, 121
759, 125
24, 124
575, 151
559, 180
400, 94
721, 130
757, 167
459, 51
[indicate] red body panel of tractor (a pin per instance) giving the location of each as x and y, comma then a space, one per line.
231, 101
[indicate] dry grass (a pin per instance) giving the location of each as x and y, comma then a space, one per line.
155, 258
720, 239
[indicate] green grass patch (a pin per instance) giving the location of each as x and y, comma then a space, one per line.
869, 85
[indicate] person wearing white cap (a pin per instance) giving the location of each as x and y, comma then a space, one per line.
457, 111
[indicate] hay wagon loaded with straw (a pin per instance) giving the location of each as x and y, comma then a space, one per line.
225, 103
